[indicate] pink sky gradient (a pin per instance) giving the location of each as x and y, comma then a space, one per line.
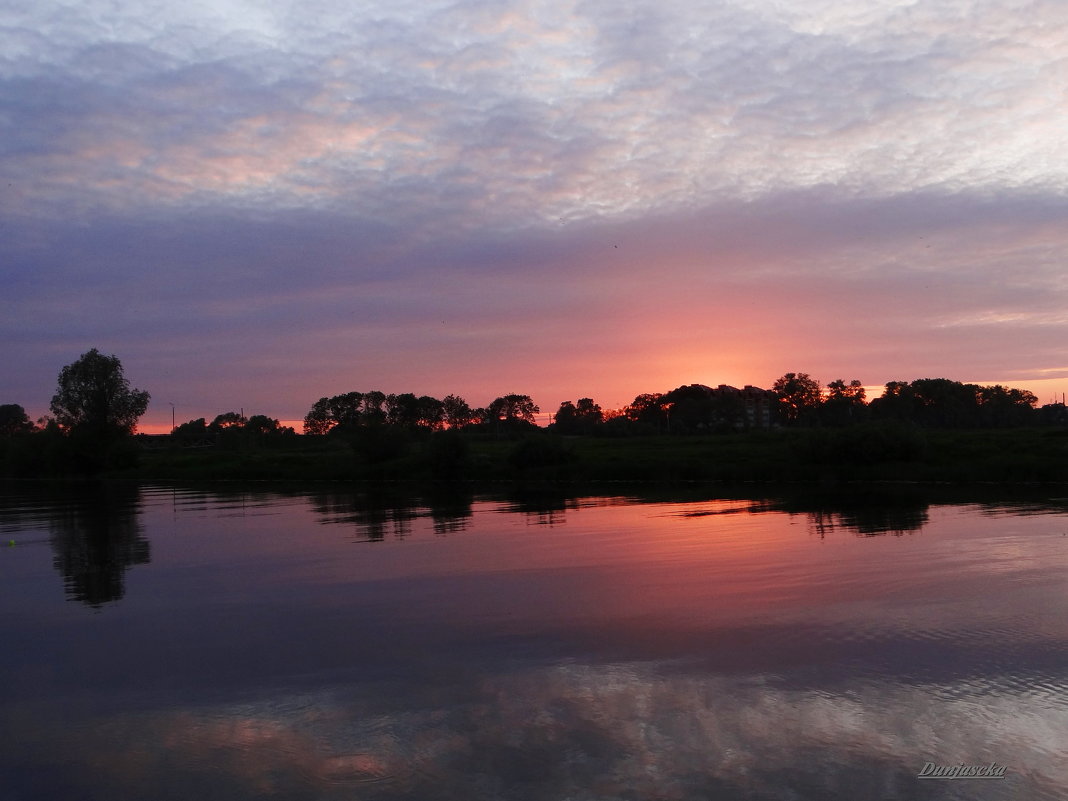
255, 207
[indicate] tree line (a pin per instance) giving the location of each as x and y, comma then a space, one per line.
95, 412
342, 413
795, 400
798, 400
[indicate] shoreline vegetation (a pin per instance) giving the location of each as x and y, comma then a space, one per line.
867, 453
927, 430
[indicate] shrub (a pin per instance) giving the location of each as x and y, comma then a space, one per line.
869, 443
539, 452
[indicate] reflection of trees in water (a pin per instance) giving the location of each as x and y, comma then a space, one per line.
380, 512
868, 512
871, 521
543, 506
96, 536
450, 508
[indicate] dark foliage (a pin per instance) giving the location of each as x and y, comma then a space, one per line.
539, 452
94, 398
868, 443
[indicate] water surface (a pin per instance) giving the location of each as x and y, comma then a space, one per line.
175, 643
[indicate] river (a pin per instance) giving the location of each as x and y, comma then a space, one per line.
337, 643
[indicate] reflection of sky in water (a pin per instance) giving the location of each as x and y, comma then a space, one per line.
539, 649
641, 730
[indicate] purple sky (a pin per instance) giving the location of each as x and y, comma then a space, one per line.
254, 207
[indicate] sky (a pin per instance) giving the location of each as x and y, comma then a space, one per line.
254, 205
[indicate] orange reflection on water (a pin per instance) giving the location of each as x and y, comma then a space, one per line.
666, 569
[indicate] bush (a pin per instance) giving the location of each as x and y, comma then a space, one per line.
539, 452
379, 444
449, 454
869, 443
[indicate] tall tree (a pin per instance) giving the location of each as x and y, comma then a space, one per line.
799, 395
457, 413
1003, 406
14, 420
565, 417
844, 403
578, 418
319, 420
402, 410
194, 428
227, 421
373, 414
430, 412
94, 397
345, 409
588, 411
261, 424
646, 408
513, 407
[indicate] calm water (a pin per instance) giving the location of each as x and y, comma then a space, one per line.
163, 643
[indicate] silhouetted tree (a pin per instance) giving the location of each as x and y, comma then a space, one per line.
799, 395
690, 408
896, 402
401, 410
844, 404
513, 407
20, 453
456, 412
194, 428
564, 419
577, 418
14, 420
430, 412
373, 413
319, 420
95, 399
346, 409
1052, 414
943, 403
97, 411
195, 434
339, 414
262, 425
647, 409
344, 414
227, 421
408, 411
1000, 406
588, 411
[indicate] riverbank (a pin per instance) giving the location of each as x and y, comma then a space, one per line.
868, 453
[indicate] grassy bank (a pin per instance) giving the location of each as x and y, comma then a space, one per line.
883, 453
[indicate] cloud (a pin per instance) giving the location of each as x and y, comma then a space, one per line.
871, 184
565, 730
542, 111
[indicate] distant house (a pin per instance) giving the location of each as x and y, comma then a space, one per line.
697, 407
759, 404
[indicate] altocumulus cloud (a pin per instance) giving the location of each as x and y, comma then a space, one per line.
623, 729
305, 174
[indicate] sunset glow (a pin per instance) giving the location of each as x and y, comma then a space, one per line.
257, 207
